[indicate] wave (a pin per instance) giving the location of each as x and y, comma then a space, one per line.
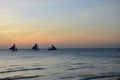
67, 77
20, 77
103, 75
82, 67
111, 75
79, 63
98, 77
21, 70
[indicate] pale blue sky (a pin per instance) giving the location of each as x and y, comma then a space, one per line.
87, 23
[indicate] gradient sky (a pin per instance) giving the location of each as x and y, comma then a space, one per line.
65, 23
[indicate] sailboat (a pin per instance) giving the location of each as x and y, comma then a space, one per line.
13, 48
52, 48
35, 47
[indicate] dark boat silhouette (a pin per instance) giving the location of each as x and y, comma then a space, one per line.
35, 47
13, 48
52, 48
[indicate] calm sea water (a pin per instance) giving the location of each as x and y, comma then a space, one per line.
63, 64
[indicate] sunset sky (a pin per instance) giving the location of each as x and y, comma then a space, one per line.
65, 23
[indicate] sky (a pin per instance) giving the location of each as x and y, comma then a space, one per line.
64, 23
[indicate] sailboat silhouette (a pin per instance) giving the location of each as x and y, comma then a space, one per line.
52, 48
13, 48
35, 47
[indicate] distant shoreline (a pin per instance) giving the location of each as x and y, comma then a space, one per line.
58, 48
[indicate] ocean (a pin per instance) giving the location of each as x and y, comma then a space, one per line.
62, 64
